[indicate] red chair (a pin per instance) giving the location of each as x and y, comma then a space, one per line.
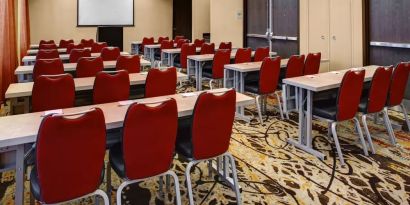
98, 46
225, 45
207, 48
243, 55
344, 107
260, 54
186, 50
206, 136
161, 82
312, 64
177, 38
47, 67
64, 43
180, 42
111, 86
62, 174
72, 46
215, 71
146, 41
374, 102
160, 39
199, 42
267, 84
76, 54
165, 44
146, 151
47, 54
46, 42
52, 92
51, 46
397, 89
110, 53
89, 67
87, 43
131, 63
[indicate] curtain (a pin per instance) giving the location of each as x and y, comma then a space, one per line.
8, 47
24, 28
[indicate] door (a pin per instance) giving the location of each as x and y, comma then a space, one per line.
256, 25
182, 18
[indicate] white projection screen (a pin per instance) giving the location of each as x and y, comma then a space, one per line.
105, 12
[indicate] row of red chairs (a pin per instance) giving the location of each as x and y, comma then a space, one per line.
65, 42
144, 150
52, 52
181, 39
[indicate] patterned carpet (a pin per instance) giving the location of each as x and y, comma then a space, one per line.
273, 172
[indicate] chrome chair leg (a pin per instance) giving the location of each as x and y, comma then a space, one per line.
258, 106
280, 105
210, 84
338, 148
406, 116
389, 127
359, 130
235, 178
188, 182
369, 137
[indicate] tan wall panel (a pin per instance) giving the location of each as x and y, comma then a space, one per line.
200, 18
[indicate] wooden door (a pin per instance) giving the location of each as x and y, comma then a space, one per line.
256, 23
182, 18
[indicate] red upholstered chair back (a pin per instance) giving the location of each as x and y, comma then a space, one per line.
52, 66
111, 87
165, 44
243, 55
161, 82
52, 92
180, 42
147, 150
269, 75
379, 89
186, 50
130, 63
72, 46
177, 38
161, 38
398, 84
47, 46
221, 58
260, 54
110, 53
349, 95
212, 124
87, 43
199, 42
46, 42
207, 48
47, 54
64, 43
312, 64
98, 46
70, 155
295, 66
76, 54
146, 41
89, 67
225, 45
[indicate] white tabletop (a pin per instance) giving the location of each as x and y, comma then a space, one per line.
177, 50
62, 56
210, 57
251, 66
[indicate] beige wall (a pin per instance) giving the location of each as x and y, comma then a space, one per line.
57, 19
200, 18
226, 24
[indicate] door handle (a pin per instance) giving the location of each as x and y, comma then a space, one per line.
334, 37
322, 37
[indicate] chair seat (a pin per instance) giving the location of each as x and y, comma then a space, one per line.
183, 144
117, 160
325, 109
252, 87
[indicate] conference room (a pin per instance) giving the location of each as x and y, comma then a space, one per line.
204, 102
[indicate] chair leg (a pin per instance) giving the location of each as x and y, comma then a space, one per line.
389, 127
338, 148
329, 130
406, 116
258, 106
168, 183
359, 130
176, 184
210, 84
369, 137
119, 192
210, 168
104, 196
188, 182
284, 100
235, 178
280, 105
108, 172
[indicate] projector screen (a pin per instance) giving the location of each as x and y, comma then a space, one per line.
105, 12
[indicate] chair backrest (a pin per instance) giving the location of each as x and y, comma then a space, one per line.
72, 46
398, 84
52, 92
47, 54
199, 42
177, 38
186, 50
221, 58
161, 82
207, 48
295, 66
260, 54
47, 46
349, 95
146, 41
110, 53
243, 55
52, 66
180, 42
147, 150
165, 44
212, 122
98, 46
89, 67
379, 89
162, 38
225, 45
130, 63
76, 54
70, 154
111, 86
46, 42
87, 43
312, 64
269, 75
65, 42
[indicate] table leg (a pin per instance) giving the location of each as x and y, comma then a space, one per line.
152, 56
19, 194
308, 117
199, 76
196, 75
20, 78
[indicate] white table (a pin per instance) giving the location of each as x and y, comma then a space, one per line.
168, 55
149, 52
307, 85
18, 130
30, 60
35, 51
